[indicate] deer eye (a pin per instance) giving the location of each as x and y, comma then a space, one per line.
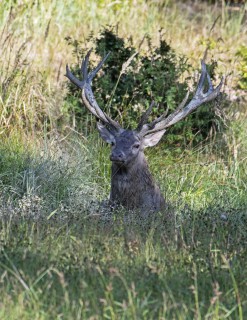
136, 146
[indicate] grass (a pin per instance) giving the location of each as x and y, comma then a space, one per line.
79, 270
59, 259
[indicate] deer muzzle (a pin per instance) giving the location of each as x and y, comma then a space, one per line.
117, 157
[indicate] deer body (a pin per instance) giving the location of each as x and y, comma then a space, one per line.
132, 185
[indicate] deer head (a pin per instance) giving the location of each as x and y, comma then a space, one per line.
146, 134
128, 145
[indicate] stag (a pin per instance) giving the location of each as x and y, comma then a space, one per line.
132, 184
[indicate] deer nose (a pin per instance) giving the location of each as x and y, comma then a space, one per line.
117, 156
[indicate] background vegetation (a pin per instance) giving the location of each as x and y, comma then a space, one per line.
60, 258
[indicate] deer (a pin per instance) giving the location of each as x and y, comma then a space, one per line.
132, 184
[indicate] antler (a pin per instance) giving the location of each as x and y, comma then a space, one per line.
87, 93
200, 97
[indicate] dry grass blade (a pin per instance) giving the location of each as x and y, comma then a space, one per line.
127, 63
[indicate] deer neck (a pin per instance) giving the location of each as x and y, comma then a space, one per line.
129, 183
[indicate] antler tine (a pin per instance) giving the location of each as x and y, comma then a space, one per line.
84, 64
182, 111
87, 93
201, 81
72, 78
145, 116
93, 73
211, 88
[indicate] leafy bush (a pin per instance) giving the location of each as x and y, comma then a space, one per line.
132, 79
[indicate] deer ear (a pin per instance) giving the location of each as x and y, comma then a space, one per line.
105, 134
152, 139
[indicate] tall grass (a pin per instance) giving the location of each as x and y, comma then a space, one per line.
60, 259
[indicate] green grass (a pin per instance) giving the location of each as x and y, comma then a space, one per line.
82, 269
59, 259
